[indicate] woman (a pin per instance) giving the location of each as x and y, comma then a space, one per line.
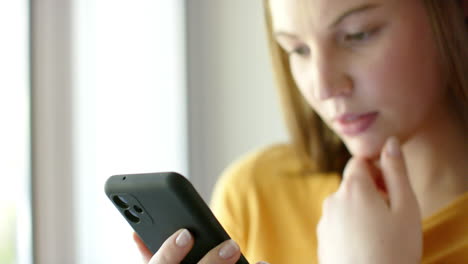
375, 98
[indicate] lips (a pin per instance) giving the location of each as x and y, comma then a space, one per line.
355, 124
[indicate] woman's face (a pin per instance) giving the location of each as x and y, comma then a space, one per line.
369, 68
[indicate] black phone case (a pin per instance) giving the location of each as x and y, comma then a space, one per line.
158, 204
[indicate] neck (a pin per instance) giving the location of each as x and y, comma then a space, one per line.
436, 158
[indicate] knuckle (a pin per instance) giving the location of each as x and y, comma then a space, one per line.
162, 258
226, 252
357, 187
357, 177
327, 204
169, 253
355, 166
350, 166
353, 184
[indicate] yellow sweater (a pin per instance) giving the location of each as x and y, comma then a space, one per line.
272, 210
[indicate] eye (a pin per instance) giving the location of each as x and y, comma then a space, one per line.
359, 37
302, 51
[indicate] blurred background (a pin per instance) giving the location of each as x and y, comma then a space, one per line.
93, 88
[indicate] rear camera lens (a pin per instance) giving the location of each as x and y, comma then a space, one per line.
132, 216
121, 201
138, 209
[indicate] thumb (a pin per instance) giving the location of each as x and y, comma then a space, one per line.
395, 175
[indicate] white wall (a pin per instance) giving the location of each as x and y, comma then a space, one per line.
233, 106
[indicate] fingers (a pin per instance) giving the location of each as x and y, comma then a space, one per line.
145, 252
393, 185
395, 175
174, 249
357, 179
226, 253
177, 246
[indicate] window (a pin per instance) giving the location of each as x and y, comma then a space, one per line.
108, 98
129, 111
15, 216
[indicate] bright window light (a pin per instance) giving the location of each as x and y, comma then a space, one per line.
130, 111
15, 213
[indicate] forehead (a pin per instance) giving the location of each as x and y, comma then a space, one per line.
293, 15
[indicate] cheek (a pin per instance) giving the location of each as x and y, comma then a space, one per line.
405, 80
300, 76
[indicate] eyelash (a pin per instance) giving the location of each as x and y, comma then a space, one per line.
300, 51
360, 37
351, 39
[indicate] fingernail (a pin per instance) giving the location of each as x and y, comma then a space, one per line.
183, 238
393, 147
228, 249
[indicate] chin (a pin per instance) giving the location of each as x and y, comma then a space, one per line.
368, 149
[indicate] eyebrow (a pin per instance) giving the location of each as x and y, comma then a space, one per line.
359, 9
353, 11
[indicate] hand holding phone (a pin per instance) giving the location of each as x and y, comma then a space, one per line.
172, 252
159, 205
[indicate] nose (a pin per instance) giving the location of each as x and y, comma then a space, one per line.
329, 78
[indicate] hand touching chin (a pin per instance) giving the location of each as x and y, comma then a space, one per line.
360, 225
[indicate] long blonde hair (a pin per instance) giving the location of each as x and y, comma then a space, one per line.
320, 149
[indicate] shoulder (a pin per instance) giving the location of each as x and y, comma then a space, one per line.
236, 192
268, 168
262, 164
263, 184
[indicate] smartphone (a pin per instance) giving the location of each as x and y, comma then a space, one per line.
156, 205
